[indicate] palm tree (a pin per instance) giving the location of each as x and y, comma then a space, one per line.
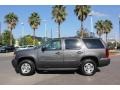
107, 27
82, 12
11, 19
99, 27
59, 15
34, 21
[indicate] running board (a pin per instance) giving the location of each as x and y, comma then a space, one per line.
57, 68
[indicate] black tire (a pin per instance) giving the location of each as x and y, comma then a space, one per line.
30, 64
88, 71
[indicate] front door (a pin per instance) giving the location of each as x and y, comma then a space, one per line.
52, 55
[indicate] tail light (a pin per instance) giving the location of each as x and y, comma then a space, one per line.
107, 52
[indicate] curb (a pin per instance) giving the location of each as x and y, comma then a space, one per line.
6, 54
114, 55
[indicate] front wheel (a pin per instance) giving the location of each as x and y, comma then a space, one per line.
88, 67
26, 68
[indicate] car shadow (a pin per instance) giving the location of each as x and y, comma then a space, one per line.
56, 72
62, 71
98, 70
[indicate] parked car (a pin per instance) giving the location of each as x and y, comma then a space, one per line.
83, 55
10, 48
5, 49
2, 49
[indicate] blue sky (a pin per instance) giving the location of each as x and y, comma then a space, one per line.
68, 28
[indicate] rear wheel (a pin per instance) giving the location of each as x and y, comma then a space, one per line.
26, 68
88, 67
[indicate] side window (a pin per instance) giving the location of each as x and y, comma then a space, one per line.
72, 44
53, 45
93, 43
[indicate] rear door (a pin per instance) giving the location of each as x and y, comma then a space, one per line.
72, 52
52, 56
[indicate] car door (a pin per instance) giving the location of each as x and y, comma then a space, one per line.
72, 52
52, 55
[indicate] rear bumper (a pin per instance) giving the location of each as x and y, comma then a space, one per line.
104, 62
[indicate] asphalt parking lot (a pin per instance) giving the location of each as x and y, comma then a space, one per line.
109, 75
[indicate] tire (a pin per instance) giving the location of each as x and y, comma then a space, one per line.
26, 68
88, 67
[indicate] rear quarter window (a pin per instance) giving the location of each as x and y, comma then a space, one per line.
93, 43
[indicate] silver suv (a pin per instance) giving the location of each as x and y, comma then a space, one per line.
84, 55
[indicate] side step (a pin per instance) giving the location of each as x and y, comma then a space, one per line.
57, 68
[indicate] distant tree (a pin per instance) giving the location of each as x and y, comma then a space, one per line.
103, 27
28, 40
82, 12
99, 27
107, 27
83, 33
34, 21
6, 38
11, 19
59, 15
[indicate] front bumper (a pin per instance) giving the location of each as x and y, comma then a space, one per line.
104, 62
14, 64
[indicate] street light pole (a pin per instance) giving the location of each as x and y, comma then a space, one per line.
44, 20
119, 32
45, 32
119, 28
22, 33
51, 33
0, 34
91, 17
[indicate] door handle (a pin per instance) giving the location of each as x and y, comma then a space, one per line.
58, 53
79, 52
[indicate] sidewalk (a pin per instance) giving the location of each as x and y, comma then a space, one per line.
6, 54
114, 53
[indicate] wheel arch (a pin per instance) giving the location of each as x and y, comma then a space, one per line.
94, 58
29, 58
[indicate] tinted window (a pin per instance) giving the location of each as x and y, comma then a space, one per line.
93, 43
72, 44
53, 45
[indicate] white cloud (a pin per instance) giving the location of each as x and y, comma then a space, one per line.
93, 13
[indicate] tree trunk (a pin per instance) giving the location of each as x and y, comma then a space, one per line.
58, 30
11, 39
81, 29
33, 36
